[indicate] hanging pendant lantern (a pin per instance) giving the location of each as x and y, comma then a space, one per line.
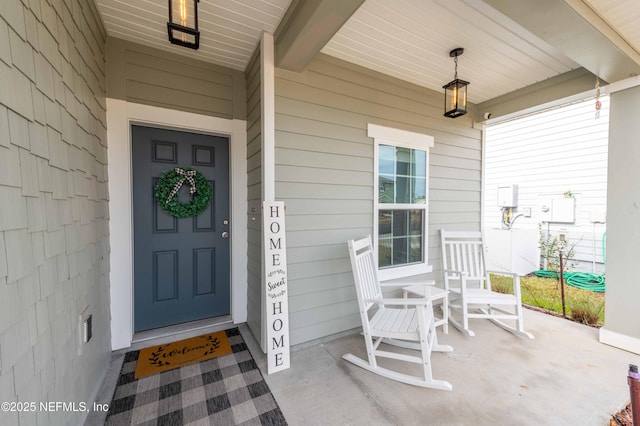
183, 23
455, 92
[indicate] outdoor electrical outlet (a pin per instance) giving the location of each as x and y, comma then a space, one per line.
85, 328
527, 212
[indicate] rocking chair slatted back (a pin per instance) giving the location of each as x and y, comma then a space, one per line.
365, 275
464, 252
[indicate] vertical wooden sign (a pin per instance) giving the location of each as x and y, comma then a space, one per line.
277, 296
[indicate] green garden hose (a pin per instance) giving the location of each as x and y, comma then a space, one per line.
581, 280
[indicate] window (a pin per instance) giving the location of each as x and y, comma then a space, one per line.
402, 183
400, 216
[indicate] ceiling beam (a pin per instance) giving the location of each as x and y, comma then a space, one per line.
307, 26
577, 32
538, 96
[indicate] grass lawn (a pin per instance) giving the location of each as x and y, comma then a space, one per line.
582, 305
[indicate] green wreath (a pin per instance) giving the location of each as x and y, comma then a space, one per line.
170, 183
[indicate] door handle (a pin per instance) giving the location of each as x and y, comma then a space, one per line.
225, 234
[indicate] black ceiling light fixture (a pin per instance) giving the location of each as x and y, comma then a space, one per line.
455, 92
183, 23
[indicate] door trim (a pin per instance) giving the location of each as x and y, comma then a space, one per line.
120, 116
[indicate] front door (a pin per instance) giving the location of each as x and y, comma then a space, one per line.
181, 265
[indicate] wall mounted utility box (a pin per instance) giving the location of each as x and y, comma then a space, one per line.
598, 215
512, 250
507, 195
557, 209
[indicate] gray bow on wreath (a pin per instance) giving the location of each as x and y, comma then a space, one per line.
186, 175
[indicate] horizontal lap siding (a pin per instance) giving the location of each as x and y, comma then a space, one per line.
548, 154
150, 76
254, 189
325, 172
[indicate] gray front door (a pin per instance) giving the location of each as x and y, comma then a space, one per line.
181, 266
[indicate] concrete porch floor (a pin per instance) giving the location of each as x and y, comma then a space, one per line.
563, 377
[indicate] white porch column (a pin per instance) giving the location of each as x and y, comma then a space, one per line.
268, 114
622, 328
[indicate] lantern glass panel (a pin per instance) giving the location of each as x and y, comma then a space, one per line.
183, 13
183, 36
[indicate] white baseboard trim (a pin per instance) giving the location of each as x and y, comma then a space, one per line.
621, 341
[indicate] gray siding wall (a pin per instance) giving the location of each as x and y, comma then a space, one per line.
149, 76
254, 194
54, 247
325, 170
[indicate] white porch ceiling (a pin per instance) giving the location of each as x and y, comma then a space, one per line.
407, 39
229, 29
411, 40
621, 15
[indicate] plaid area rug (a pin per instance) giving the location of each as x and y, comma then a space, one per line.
228, 390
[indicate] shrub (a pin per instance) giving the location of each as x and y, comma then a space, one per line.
586, 311
550, 249
584, 316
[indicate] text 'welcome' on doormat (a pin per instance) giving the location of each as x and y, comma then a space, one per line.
161, 358
224, 390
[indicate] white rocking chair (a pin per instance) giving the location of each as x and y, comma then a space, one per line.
469, 284
407, 327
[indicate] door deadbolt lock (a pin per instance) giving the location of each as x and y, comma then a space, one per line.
225, 234
225, 222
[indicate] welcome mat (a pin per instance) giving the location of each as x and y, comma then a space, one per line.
225, 390
183, 352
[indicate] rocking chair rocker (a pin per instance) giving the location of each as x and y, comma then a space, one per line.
409, 326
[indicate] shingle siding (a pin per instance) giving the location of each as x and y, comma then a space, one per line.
53, 202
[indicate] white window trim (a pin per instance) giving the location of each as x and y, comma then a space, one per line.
389, 136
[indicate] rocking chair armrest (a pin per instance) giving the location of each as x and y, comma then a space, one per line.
456, 272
